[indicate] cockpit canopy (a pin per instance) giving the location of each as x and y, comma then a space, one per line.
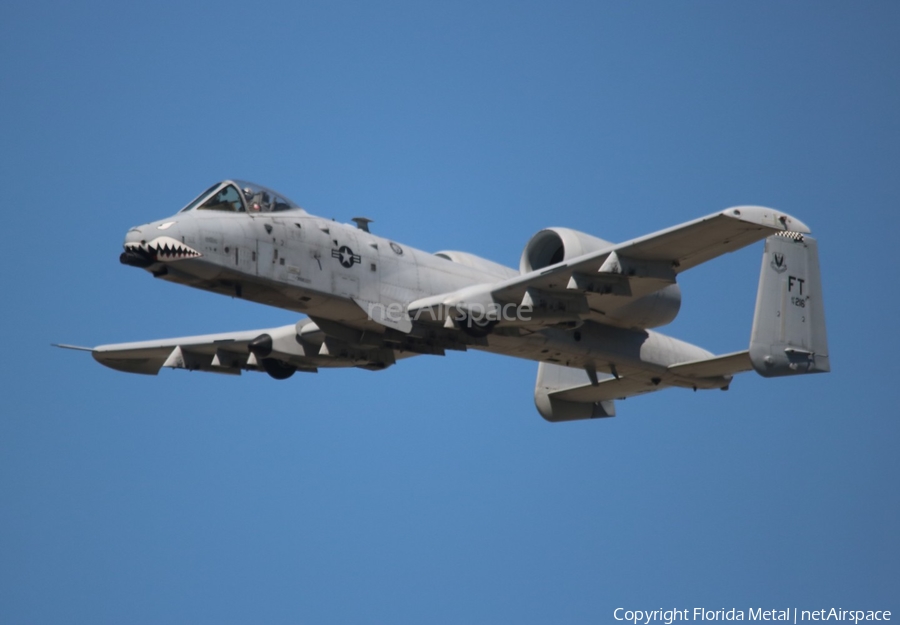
240, 196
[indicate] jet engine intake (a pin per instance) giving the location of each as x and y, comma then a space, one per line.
555, 245
631, 293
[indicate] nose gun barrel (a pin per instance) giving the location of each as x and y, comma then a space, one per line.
136, 257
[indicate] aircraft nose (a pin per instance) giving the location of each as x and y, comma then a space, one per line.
136, 253
146, 245
134, 235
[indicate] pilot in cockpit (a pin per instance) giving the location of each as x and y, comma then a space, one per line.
258, 202
238, 196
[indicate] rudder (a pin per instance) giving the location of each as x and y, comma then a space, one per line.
788, 336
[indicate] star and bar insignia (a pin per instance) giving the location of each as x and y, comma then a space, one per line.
346, 256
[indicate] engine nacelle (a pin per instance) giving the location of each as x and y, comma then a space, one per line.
554, 245
650, 311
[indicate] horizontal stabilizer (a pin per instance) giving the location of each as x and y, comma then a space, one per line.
717, 367
608, 389
563, 391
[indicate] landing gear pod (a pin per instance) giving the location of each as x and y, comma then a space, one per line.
789, 335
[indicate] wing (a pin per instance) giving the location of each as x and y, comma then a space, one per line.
305, 346
599, 283
216, 353
277, 351
678, 249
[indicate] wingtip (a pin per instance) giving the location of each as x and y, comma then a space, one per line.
768, 217
75, 347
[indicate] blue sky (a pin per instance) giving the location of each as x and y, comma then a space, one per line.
433, 491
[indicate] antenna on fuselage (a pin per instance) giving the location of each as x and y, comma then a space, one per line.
362, 223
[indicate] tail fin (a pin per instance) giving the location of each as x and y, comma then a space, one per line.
788, 335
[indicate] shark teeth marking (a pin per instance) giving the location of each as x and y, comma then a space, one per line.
165, 249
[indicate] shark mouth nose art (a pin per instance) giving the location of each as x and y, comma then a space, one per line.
160, 249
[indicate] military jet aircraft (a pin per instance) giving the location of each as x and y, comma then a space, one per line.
582, 307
